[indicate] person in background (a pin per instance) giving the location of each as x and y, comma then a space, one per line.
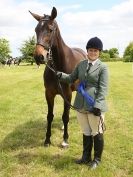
93, 76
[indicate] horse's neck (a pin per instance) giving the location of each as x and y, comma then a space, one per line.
59, 53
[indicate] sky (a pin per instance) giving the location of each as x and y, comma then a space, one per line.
78, 21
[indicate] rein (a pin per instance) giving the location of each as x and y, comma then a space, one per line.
62, 93
59, 84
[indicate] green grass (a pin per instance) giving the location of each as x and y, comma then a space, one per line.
23, 114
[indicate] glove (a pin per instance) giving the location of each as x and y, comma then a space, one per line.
58, 74
96, 112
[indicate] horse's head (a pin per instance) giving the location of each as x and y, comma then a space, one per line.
45, 31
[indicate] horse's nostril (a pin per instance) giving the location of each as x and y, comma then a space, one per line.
41, 57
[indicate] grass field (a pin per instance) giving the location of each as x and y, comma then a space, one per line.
23, 112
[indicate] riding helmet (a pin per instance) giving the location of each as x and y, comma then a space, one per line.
95, 43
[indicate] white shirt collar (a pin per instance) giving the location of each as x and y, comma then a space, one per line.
93, 62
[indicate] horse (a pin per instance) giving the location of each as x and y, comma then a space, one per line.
17, 61
64, 58
10, 61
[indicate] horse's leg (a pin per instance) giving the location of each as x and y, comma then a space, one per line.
65, 118
50, 115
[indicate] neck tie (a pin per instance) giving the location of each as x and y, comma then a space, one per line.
88, 67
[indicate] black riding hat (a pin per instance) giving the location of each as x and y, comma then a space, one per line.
95, 43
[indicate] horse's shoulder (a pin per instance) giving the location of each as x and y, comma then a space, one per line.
79, 50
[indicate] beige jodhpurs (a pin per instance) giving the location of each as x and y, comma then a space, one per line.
90, 124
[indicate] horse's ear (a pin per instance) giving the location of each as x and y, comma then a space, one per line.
37, 17
53, 13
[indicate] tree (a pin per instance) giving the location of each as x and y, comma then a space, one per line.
27, 49
114, 53
105, 51
128, 53
110, 55
105, 56
4, 49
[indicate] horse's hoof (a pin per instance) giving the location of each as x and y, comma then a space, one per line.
64, 144
47, 144
62, 128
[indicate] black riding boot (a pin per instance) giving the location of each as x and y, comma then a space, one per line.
98, 149
87, 148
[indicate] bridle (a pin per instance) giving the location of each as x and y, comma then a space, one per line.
48, 46
51, 40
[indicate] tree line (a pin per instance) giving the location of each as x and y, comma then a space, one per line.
28, 46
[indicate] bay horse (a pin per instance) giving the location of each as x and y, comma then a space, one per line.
63, 59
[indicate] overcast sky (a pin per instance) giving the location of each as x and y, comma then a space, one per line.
78, 20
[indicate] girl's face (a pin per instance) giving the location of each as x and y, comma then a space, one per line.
93, 54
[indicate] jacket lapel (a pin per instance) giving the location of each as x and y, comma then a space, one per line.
95, 66
84, 65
